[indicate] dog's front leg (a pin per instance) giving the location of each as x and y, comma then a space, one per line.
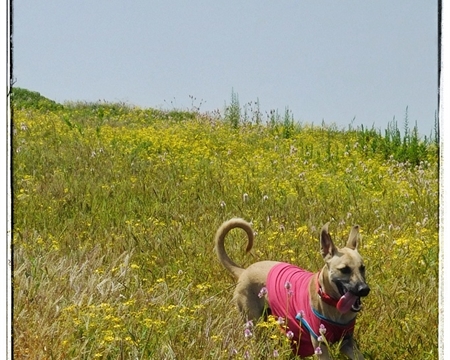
349, 348
323, 354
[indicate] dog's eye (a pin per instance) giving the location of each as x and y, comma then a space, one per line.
346, 270
362, 268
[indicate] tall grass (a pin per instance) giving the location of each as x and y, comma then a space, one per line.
115, 209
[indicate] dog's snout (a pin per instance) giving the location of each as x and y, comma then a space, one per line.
363, 290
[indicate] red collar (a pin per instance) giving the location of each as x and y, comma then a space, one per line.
323, 295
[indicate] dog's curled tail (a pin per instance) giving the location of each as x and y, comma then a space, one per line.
219, 240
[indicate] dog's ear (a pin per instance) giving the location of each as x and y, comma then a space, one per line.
327, 247
353, 238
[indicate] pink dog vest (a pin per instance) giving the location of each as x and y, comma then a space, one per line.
288, 296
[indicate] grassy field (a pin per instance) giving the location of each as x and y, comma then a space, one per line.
115, 210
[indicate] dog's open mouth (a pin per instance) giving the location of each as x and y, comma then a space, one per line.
348, 301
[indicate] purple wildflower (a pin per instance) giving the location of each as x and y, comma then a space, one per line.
300, 315
318, 351
287, 285
262, 292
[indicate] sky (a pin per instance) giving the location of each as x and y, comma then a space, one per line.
338, 62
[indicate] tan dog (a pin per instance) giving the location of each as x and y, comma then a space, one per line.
332, 295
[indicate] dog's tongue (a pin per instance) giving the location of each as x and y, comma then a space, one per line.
345, 302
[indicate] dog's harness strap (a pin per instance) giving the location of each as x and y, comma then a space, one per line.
307, 326
350, 324
332, 326
323, 295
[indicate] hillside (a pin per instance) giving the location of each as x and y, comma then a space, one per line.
115, 210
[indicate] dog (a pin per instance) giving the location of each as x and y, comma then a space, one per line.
312, 306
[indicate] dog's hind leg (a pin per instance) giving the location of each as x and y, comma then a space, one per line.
249, 295
248, 300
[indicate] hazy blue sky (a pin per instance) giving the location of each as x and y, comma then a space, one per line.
324, 60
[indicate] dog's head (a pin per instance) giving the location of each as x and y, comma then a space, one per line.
344, 272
